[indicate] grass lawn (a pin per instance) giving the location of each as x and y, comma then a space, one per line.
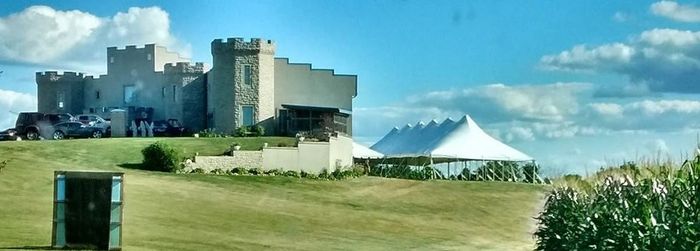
207, 212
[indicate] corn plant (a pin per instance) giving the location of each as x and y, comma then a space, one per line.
658, 212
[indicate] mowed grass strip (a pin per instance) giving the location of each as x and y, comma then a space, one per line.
207, 212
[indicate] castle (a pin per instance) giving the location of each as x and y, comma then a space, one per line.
247, 85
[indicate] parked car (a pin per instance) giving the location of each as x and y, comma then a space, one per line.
96, 121
75, 129
168, 128
9, 134
33, 125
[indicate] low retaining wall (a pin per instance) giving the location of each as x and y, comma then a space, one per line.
240, 159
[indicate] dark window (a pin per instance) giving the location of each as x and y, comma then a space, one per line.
247, 75
162, 92
97, 94
174, 93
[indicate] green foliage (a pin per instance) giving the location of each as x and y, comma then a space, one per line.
210, 133
530, 172
239, 171
217, 171
3, 164
242, 131
256, 171
282, 144
197, 170
292, 173
273, 172
623, 213
258, 130
160, 156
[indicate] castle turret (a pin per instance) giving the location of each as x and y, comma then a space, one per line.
241, 91
60, 93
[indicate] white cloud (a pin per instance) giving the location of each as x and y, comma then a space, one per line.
520, 133
658, 60
675, 11
607, 109
657, 146
11, 103
652, 108
580, 57
77, 40
495, 102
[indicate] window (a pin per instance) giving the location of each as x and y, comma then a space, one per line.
162, 92
111, 60
248, 115
129, 93
247, 75
174, 93
92, 110
97, 94
149, 56
60, 99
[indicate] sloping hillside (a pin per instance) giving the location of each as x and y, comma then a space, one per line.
206, 212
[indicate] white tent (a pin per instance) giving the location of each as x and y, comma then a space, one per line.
362, 152
459, 140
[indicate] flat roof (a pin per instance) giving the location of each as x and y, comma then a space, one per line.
317, 108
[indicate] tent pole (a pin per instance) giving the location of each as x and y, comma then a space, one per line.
432, 175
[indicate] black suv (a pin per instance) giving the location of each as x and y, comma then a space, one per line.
31, 125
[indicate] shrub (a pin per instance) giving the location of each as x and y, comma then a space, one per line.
282, 144
292, 173
256, 171
620, 213
159, 156
324, 174
273, 172
197, 170
239, 171
242, 131
258, 130
217, 171
209, 133
3, 164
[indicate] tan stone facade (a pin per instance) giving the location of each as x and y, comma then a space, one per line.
246, 86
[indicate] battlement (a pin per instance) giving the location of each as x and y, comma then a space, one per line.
239, 44
184, 67
54, 76
129, 48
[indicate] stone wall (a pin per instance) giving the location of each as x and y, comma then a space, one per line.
240, 159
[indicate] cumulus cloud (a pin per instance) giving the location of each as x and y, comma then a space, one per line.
495, 102
11, 103
675, 11
41, 35
657, 60
531, 112
620, 17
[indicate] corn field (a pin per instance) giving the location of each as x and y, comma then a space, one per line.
654, 212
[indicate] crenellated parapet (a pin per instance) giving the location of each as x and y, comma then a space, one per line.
184, 67
256, 45
129, 48
54, 76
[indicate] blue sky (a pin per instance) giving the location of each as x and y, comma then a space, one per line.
575, 84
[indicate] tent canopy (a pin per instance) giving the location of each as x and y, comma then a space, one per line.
362, 152
462, 139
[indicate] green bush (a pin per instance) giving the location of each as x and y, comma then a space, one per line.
210, 133
239, 171
660, 212
217, 171
197, 170
258, 130
292, 173
159, 156
256, 171
324, 174
273, 172
242, 131
3, 164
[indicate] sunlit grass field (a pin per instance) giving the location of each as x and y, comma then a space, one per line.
206, 212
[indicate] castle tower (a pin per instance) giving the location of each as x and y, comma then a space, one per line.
60, 93
241, 84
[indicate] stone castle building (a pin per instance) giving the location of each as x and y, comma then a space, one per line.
247, 85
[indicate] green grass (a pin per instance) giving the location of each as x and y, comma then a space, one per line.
206, 212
